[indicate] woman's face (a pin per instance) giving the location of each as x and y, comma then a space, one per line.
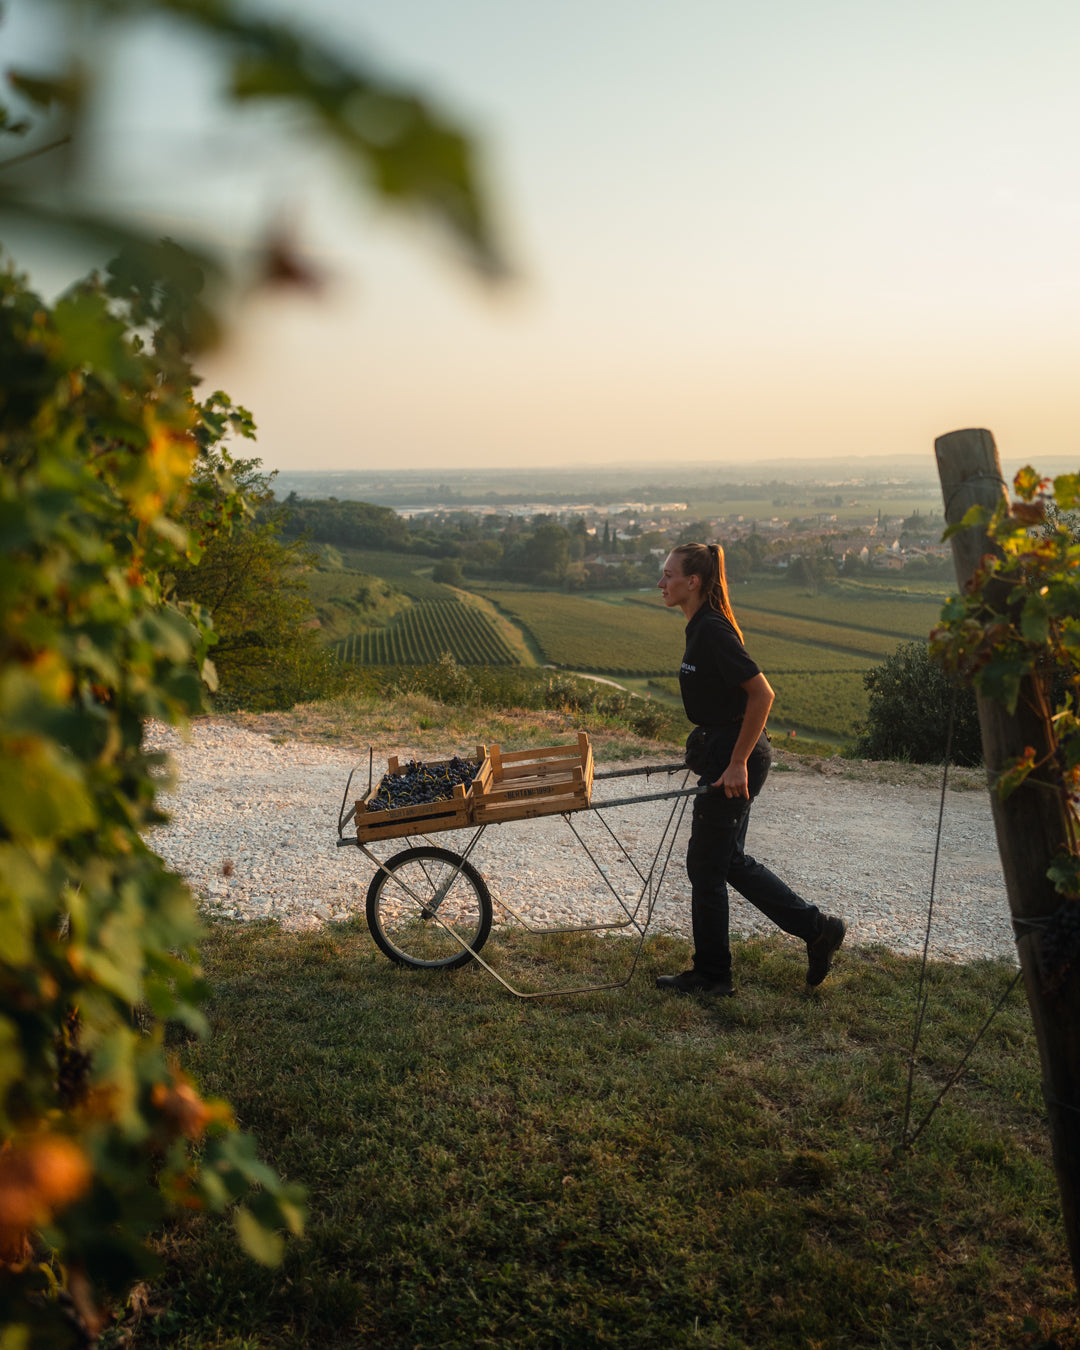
678, 590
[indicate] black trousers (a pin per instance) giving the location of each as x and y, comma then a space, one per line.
716, 859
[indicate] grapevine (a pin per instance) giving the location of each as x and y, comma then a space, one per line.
1020, 618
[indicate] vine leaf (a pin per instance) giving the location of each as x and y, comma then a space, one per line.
1027, 483
973, 516
1067, 491
1064, 872
1014, 774
1000, 678
1035, 620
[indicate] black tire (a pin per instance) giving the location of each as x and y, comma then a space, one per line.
404, 926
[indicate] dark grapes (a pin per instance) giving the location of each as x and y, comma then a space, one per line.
1060, 943
418, 783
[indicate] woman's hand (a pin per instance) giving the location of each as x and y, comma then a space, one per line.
733, 780
759, 699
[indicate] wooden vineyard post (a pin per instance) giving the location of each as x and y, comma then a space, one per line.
1031, 825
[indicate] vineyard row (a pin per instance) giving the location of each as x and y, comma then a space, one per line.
424, 632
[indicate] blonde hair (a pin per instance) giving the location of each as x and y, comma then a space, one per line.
706, 562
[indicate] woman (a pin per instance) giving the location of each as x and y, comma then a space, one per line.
728, 699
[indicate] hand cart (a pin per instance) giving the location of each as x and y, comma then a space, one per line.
429, 907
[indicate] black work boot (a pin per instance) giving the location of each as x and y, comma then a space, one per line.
693, 982
820, 952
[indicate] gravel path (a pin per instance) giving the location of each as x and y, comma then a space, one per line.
254, 831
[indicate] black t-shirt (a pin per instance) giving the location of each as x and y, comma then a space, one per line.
714, 667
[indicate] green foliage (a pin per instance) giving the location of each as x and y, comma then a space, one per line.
110, 496
542, 552
347, 524
448, 573
911, 698
813, 568
102, 1134
1020, 619
397, 142
253, 584
347, 601
502, 688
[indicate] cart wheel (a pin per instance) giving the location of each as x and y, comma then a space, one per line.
410, 890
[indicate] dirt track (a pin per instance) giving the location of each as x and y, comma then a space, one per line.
254, 831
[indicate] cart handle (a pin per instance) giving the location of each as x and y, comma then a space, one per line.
344, 819
680, 767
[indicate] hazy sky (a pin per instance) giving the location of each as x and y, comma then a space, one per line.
805, 227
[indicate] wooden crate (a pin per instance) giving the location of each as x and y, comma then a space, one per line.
526, 783
449, 813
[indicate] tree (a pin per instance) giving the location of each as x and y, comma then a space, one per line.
448, 573
349, 524
693, 532
738, 561
547, 552
813, 568
252, 582
757, 548
911, 698
579, 538
853, 565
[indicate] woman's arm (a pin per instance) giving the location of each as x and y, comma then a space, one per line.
759, 699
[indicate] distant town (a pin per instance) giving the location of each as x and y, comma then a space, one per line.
815, 525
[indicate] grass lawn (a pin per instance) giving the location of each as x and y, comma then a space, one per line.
625, 1169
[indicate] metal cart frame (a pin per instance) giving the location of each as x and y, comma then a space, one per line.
454, 867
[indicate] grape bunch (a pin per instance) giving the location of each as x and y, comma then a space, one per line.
418, 783
1060, 944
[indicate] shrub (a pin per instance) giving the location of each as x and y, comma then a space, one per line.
908, 718
490, 687
448, 573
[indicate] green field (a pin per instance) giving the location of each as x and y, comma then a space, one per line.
888, 586
814, 649
426, 631
824, 704
591, 635
637, 636
821, 703
885, 610
845, 641
775, 654
410, 575
810, 633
